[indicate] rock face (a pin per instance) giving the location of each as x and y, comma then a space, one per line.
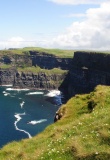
88, 70
16, 60
30, 80
39, 80
49, 61
92, 61
7, 76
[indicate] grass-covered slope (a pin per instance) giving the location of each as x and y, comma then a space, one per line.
25, 51
83, 133
39, 70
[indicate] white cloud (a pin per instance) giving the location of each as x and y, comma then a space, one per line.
76, 2
16, 42
91, 33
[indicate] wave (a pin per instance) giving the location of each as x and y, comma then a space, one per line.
32, 93
56, 95
16, 89
6, 93
22, 104
7, 85
53, 93
18, 117
36, 122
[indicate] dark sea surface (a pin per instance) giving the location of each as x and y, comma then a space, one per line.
23, 114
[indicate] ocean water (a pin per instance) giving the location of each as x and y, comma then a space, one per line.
25, 113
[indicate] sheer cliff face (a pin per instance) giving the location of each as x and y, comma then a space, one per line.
88, 70
31, 80
92, 61
39, 80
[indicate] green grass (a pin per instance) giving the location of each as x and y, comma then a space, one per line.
11, 52
57, 52
5, 66
83, 133
39, 70
25, 51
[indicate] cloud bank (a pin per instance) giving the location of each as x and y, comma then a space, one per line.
16, 42
91, 33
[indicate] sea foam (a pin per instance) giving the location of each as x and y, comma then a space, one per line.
16, 89
8, 85
22, 104
36, 122
32, 93
53, 93
6, 93
18, 117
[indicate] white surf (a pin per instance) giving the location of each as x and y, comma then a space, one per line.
36, 122
22, 104
17, 89
7, 85
18, 117
53, 93
32, 93
6, 93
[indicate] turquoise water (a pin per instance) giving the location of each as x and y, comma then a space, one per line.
24, 114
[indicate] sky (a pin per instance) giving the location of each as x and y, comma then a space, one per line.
64, 24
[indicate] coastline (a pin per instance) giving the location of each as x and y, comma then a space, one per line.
54, 96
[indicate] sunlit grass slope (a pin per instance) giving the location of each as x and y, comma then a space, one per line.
83, 133
57, 52
25, 51
39, 70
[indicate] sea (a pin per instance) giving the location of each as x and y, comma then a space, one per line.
24, 113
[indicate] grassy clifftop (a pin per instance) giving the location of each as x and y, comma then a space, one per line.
83, 132
25, 51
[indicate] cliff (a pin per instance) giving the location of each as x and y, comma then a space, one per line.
78, 75
88, 69
35, 58
92, 61
33, 70
83, 131
7, 76
39, 80
49, 61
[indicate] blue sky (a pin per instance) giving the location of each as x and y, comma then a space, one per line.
55, 24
